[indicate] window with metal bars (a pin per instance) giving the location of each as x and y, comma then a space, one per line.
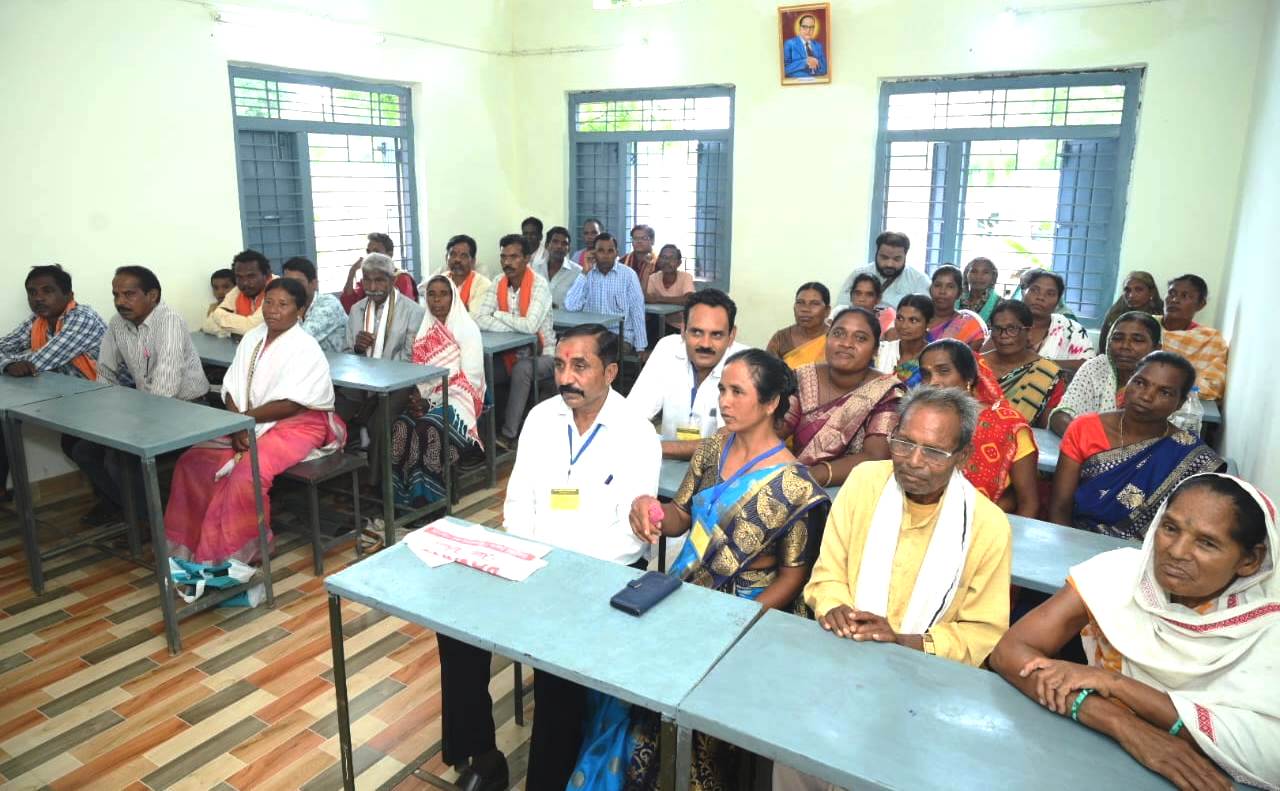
1029, 171
322, 163
662, 158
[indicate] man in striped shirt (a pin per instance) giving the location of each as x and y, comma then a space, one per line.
606, 287
147, 346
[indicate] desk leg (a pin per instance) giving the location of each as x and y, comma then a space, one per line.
491, 452
264, 546
130, 507
22, 499
340, 689
388, 496
160, 548
684, 757
445, 466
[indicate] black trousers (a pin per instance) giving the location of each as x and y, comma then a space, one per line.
467, 715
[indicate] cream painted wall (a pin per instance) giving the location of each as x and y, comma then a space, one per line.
1186, 163
119, 146
1252, 432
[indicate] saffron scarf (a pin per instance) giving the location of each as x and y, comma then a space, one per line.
246, 306
86, 365
504, 305
466, 288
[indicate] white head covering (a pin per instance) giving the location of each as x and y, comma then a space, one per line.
465, 360
1221, 668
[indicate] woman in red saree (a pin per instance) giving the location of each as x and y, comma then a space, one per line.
280, 378
845, 409
1002, 462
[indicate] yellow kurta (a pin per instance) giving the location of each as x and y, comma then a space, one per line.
979, 613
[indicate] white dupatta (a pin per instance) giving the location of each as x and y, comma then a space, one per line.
290, 368
455, 344
939, 577
1221, 668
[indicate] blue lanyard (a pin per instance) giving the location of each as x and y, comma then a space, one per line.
693, 392
573, 459
743, 470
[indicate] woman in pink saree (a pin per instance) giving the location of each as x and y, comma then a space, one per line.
280, 378
845, 410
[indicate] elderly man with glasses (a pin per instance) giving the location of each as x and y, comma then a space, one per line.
912, 553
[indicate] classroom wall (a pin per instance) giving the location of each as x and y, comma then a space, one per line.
118, 131
1195, 110
1252, 432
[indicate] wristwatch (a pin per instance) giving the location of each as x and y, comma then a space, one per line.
926, 640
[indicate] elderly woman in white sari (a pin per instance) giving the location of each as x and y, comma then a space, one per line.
1182, 638
448, 338
280, 378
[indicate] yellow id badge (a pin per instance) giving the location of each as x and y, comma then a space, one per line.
687, 433
564, 499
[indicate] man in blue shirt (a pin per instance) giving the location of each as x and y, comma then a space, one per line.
605, 287
803, 55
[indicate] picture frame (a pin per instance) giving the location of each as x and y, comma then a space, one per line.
804, 44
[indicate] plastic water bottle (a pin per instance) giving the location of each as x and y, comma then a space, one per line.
1190, 416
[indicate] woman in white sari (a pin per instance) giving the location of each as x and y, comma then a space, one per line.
280, 378
448, 338
1182, 637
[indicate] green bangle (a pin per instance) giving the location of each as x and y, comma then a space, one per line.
1075, 707
1177, 726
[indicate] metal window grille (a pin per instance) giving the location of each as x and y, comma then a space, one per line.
662, 158
1028, 171
323, 162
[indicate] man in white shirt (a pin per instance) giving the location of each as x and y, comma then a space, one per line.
519, 302
682, 376
531, 229
558, 270
147, 346
890, 268
576, 498
460, 266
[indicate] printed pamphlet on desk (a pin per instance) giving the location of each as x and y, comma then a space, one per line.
446, 541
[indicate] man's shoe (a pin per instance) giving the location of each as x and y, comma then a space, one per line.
487, 772
102, 514
505, 444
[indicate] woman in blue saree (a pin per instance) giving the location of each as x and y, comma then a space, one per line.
1116, 468
746, 505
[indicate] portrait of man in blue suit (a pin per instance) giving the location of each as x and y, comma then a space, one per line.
803, 56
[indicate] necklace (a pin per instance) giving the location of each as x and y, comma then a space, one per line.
1164, 434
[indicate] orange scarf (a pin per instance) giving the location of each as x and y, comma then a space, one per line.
85, 364
504, 304
465, 291
248, 307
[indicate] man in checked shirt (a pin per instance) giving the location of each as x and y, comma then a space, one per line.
59, 336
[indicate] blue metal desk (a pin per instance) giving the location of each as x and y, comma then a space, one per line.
145, 426
883, 716
562, 319
380, 377
1048, 443
495, 343
558, 620
16, 391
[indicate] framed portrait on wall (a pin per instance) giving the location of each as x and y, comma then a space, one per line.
804, 39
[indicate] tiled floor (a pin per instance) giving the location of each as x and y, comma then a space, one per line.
91, 698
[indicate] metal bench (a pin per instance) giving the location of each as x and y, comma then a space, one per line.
318, 471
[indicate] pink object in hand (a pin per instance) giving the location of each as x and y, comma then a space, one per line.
655, 513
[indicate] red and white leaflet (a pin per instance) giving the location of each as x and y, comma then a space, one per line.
446, 541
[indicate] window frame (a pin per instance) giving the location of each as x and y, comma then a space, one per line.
339, 82
949, 246
575, 98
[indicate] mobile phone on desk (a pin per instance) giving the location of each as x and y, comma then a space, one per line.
642, 593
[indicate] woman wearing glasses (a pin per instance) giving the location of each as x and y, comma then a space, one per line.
1032, 383
844, 410
1002, 464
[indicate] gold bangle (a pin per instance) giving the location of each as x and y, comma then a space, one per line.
830, 473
